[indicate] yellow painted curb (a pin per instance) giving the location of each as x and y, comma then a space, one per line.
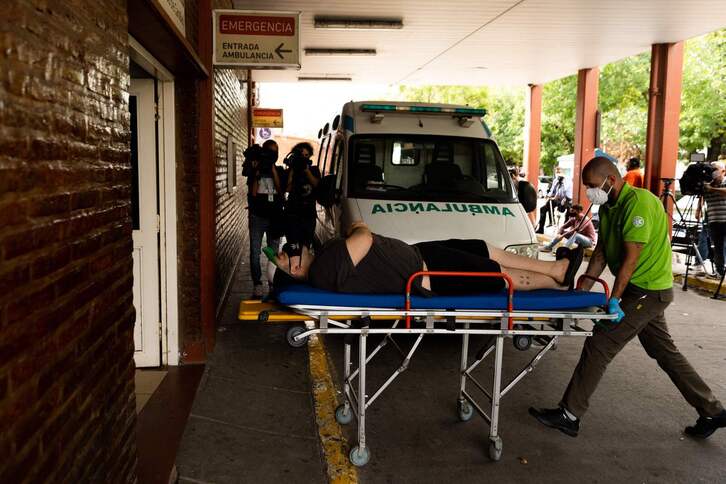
335, 446
707, 284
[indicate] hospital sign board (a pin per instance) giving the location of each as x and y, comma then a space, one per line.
255, 39
266, 118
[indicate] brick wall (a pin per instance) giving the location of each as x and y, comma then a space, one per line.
231, 235
67, 408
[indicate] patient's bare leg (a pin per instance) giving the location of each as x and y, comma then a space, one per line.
554, 269
529, 281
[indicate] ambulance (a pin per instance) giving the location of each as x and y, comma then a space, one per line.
418, 172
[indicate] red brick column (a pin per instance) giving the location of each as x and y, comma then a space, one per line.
664, 110
533, 132
585, 127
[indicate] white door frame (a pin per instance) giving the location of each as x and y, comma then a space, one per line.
168, 280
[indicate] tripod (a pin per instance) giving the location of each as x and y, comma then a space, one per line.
685, 231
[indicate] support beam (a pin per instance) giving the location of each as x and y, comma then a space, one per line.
585, 127
664, 110
533, 137
533, 133
206, 177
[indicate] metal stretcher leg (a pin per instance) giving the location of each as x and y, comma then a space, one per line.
344, 414
360, 454
495, 442
464, 408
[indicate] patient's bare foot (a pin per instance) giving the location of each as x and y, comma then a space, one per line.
559, 270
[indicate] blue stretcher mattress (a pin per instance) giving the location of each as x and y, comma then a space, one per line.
540, 300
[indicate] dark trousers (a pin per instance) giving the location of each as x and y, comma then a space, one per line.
549, 209
259, 226
644, 318
717, 231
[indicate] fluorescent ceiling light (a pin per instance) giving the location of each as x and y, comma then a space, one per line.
358, 23
321, 51
323, 78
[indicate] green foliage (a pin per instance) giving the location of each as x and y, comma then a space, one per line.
505, 111
703, 103
623, 104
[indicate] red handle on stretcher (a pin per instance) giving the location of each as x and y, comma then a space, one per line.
507, 279
596, 279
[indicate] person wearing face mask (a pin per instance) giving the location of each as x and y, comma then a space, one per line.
634, 244
577, 231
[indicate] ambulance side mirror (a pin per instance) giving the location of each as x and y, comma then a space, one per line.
527, 195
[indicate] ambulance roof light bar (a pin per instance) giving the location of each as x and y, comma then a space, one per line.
377, 108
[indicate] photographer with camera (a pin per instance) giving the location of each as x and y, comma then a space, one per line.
302, 180
715, 198
264, 199
558, 198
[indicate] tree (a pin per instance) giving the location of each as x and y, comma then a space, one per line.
703, 100
505, 111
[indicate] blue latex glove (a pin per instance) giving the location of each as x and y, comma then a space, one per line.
614, 308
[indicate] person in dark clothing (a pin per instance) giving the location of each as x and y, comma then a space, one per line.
264, 200
559, 198
300, 209
373, 264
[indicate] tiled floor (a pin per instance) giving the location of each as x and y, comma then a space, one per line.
253, 417
147, 381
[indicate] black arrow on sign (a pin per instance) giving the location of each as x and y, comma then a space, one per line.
280, 50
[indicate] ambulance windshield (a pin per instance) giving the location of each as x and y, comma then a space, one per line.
436, 168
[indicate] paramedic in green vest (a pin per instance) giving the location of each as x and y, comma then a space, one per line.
633, 243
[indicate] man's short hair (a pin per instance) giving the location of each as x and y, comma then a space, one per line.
633, 163
577, 208
269, 143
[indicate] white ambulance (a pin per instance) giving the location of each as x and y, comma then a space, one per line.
418, 172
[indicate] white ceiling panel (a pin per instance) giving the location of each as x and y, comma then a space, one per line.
494, 42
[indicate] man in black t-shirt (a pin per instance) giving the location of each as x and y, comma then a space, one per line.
369, 263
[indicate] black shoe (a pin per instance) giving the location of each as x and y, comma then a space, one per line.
556, 419
705, 426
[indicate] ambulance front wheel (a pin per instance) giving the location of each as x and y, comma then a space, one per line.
290, 336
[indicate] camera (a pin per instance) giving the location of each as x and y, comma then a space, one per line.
695, 178
297, 162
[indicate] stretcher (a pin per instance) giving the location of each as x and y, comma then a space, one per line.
539, 317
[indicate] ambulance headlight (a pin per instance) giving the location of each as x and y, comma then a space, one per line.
526, 250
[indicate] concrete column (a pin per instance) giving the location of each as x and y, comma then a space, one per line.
533, 133
585, 127
664, 110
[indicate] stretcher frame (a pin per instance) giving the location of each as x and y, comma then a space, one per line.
523, 327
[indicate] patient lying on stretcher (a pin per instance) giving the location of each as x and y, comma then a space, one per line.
365, 262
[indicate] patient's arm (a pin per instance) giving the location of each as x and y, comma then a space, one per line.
359, 241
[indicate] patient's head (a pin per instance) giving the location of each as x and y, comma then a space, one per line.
295, 260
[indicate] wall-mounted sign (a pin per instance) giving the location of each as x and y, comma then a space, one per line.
175, 9
266, 118
256, 39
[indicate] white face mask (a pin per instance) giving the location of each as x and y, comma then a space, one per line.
598, 196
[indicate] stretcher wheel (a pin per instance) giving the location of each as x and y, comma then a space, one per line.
290, 336
466, 411
522, 342
495, 449
342, 416
359, 457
